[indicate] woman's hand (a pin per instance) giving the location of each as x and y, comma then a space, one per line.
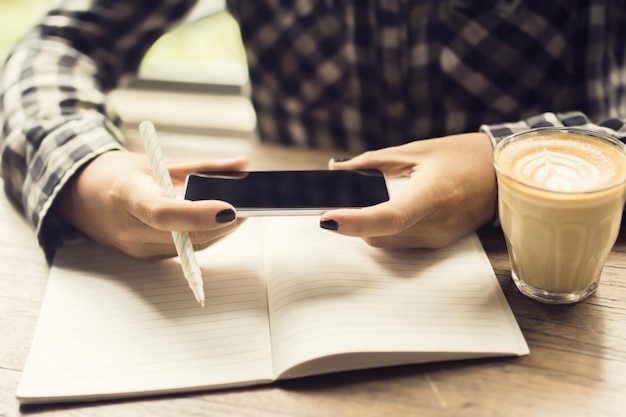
451, 192
115, 201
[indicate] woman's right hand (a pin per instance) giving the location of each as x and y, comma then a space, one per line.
115, 201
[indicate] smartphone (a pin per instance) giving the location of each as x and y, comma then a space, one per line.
267, 193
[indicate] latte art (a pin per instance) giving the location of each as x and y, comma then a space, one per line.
562, 165
558, 171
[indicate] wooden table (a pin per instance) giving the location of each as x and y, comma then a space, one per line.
577, 364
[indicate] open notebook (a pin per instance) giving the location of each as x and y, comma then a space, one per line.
309, 302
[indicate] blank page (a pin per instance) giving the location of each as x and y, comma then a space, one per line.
115, 326
336, 294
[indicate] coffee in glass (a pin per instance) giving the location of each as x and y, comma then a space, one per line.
561, 196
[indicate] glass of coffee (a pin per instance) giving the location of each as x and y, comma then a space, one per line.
561, 195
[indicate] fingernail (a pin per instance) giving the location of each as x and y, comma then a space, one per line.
340, 159
329, 225
225, 216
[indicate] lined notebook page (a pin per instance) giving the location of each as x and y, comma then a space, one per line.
335, 294
114, 326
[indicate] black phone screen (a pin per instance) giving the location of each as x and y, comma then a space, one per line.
270, 191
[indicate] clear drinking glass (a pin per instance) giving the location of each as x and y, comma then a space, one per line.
561, 195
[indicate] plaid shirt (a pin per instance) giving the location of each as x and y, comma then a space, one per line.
348, 74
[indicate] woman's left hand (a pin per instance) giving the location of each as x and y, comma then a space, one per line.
450, 193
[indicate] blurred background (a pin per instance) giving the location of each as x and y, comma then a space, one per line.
193, 80
15, 17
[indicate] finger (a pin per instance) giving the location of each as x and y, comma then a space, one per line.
400, 241
187, 216
204, 238
384, 219
160, 244
393, 162
152, 250
179, 170
411, 205
153, 207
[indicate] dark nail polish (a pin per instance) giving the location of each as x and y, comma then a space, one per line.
225, 216
329, 225
341, 159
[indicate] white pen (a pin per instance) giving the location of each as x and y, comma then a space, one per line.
188, 260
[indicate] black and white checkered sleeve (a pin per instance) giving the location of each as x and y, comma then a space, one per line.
613, 126
54, 94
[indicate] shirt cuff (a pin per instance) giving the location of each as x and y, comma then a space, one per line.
51, 229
